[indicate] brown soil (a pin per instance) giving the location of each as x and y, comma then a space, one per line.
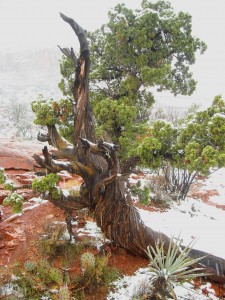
18, 243
18, 237
204, 195
19, 240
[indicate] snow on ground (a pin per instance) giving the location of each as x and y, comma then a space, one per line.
94, 232
193, 219
190, 220
216, 181
131, 287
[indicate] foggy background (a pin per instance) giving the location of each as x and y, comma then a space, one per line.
30, 31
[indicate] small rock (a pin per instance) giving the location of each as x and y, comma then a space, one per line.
8, 236
49, 216
12, 244
2, 246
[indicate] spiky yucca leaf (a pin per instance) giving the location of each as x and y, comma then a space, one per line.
174, 264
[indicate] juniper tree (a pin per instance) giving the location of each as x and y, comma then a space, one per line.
135, 53
104, 190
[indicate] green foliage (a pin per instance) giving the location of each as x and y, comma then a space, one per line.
173, 266
96, 275
47, 183
67, 82
143, 193
149, 152
15, 201
50, 112
203, 138
44, 111
144, 43
8, 185
166, 134
87, 261
135, 51
114, 117
129, 140
56, 194
2, 176
64, 293
37, 278
182, 152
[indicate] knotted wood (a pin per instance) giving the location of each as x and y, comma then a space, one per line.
104, 189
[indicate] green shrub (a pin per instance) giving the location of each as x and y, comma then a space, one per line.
48, 183
97, 274
2, 176
8, 185
15, 201
181, 153
36, 279
143, 193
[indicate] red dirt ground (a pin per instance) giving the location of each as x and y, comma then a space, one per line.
18, 237
18, 243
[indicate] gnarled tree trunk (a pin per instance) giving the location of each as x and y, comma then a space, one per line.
104, 189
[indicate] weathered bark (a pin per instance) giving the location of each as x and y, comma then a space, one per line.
104, 188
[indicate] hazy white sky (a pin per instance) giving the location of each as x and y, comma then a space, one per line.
36, 24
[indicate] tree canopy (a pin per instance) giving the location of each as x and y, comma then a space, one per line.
104, 190
136, 53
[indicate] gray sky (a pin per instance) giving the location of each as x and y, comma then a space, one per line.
28, 24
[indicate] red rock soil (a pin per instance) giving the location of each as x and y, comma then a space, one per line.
18, 242
18, 238
205, 195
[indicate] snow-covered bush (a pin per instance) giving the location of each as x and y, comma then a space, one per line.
180, 153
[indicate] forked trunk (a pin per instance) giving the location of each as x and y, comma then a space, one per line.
104, 190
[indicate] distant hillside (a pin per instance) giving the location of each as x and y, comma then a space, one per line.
24, 75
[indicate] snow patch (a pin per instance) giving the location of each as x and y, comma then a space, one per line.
191, 219
128, 288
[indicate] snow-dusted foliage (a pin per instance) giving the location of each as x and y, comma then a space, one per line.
183, 152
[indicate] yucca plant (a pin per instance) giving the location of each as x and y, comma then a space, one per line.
170, 267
